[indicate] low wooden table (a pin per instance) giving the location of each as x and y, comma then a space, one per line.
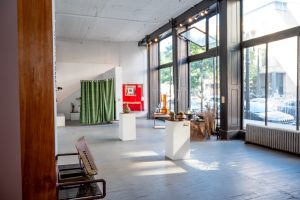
159, 115
198, 130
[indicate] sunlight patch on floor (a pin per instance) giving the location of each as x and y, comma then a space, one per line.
135, 154
156, 168
203, 166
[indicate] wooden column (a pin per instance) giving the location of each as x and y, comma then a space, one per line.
36, 99
230, 68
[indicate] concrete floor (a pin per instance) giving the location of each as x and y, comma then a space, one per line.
217, 169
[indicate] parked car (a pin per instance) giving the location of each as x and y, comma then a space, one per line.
288, 107
257, 112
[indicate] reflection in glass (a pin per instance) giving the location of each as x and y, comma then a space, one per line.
279, 108
254, 84
165, 50
213, 31
204, 85
194, 48
166, 86
282, 81
196, 36
262, 17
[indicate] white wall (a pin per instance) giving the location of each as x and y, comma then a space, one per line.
86, 60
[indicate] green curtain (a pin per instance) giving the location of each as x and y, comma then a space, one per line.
97, 101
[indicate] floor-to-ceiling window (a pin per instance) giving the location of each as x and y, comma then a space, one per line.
270, 62
204, 85
203, 64
166, 71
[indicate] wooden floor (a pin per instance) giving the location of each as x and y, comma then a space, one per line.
217, 169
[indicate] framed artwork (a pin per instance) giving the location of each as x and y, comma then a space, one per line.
133, 96
130, 90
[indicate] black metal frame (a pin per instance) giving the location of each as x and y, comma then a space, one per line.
210, 52
179, 20
77, 182
272, 37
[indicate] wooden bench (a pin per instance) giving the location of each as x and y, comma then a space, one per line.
77, 181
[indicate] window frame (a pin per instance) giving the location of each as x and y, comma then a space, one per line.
266, 39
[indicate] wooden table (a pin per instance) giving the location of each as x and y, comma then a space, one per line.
198, 130
159, 115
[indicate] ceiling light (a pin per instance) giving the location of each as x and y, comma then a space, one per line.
206, 11
202, 13
190, 20
181, 25
155, 40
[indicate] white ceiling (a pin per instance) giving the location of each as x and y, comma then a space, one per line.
115, 20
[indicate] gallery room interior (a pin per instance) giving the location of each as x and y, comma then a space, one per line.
132, 99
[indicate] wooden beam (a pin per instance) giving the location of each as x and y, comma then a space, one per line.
36, 99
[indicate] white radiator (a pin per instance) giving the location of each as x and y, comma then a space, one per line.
282, 139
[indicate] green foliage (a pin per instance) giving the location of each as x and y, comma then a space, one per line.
166, 75
166, 56
195, 49
201, 70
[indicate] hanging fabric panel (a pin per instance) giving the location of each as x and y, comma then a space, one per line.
97, 101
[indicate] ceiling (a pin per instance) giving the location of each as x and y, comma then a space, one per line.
114, 20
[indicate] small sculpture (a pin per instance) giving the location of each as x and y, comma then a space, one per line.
164, 109
172, 116
181, 116
126, 108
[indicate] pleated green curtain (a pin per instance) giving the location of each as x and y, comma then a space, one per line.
97, 101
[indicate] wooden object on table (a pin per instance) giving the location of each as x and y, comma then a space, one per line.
209, 117
76, 181
198, 130
164, 108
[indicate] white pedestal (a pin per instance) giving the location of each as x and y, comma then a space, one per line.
75, 116
177, 139
127, 126
60, 119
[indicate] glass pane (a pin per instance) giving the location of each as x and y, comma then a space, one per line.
254, 84
196, 49
165, 51
262, 17
282, 83
196, 36
213, 31
167, 87
204, 85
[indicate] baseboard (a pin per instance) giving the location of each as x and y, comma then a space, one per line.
230, 135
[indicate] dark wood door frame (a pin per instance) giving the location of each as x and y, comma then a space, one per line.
35, 41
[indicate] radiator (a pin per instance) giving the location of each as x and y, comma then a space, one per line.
276, 138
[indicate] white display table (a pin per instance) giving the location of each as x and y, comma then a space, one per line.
60, 119
127, 126
177, 139
75, 116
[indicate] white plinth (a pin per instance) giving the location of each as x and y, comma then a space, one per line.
75, 116
127, 126
60, 119
177, 139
